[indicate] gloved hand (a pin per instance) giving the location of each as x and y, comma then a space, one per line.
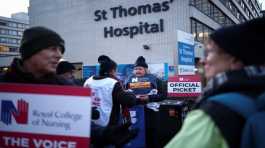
142, 99
120, 134
95, 113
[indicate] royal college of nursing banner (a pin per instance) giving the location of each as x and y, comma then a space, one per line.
44, 116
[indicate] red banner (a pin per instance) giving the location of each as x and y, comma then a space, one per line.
25, 140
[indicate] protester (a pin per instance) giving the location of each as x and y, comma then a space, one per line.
147, 87
66, 70
108, 97
40, 50
235, 58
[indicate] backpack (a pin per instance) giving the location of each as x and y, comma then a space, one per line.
253, 110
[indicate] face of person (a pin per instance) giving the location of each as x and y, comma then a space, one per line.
68, 75
216, 60
44, 61
139, 71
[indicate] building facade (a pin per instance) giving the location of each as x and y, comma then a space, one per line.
124, 29
11, 31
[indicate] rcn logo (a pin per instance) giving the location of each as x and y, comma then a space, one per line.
20, 113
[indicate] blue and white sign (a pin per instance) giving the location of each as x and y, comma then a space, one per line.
89, 71
185, 56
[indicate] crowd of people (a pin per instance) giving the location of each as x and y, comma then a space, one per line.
233, 66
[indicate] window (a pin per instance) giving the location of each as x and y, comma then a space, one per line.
13, 49
229, 5
11, 24
19, 33
3, 40
200, 31
12, 41
12, 32
24, 26
3, 23
19, 25
3, 31
209, 9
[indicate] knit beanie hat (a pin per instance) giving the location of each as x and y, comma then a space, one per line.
37, 38
246, 41
63, 67
141, 62
106, 65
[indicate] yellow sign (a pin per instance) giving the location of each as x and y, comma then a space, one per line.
140, 85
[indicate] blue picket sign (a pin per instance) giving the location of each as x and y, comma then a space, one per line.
138, 121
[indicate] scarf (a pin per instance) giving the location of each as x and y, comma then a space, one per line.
249, 80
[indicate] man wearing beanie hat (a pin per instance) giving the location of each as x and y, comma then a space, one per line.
36, 39
40, 50
147, 88
234, 67
66, 70
65, 67
142, 83
108, 98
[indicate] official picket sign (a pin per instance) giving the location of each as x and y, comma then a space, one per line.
184, 86
44, 116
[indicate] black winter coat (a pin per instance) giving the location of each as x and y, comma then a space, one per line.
16, 75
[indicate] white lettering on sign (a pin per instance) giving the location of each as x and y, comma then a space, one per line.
16, 142
187, 52
186, 70
68, 115
183, 84
51, 144
184, 87
186, 59
38, 143
182, 90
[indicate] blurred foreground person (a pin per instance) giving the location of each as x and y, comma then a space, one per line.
234, 66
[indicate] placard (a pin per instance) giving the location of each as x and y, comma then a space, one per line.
184, 86
46, 116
